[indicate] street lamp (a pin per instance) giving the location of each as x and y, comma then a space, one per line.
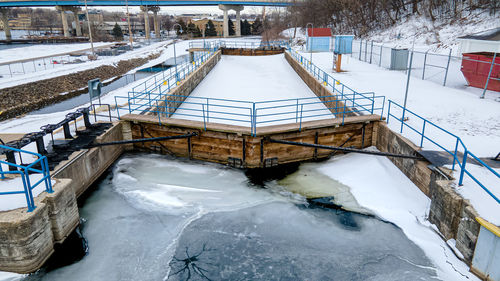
311, 38
175, 54
90, 31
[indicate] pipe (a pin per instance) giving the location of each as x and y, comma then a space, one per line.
378, 153
143, 140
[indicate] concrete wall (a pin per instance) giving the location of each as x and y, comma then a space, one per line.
453, 216
27, 239
186, 86
251, 52
225, 143
84, 167
317, 88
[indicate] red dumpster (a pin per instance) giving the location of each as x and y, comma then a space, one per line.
475, 68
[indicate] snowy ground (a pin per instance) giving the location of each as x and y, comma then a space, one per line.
395, 198
42, 50
460, 111
64, 69
252, 79
402, 203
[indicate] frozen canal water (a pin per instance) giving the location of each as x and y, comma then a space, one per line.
247, 79
157, 218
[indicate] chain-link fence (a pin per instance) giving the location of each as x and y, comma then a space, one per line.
444, 69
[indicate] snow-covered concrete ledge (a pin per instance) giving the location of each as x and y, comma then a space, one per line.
27, 239
454, 216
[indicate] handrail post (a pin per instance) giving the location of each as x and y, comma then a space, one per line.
462, 171
31, 205
388, 111
208, 112
423, 133
455, 155
425, 61
301, 111
297, 111
489, 75
448, 66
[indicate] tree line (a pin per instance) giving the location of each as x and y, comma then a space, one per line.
360, 16
191, 29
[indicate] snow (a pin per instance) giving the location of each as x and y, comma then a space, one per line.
42, 50
14, 201
485, 205
438, 36
65, 69
393, 197
252, 79
459, 111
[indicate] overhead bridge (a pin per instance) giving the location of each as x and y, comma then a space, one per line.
47, 3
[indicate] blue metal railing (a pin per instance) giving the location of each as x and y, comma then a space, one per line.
25, 172
238, 44
457, 143
252, 113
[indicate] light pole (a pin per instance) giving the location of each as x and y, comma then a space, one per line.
90, 31
175, 54
130, 38
311, 38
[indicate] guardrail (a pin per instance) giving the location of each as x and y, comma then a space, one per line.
165, 78
344, 101
26, 172
252, 114
457, 143
238, 44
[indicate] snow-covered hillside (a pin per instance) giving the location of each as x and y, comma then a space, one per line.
437, 36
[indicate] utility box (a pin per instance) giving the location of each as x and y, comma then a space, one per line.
399, 59
343, 44
95, 86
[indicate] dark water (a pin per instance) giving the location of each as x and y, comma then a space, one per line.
158, 218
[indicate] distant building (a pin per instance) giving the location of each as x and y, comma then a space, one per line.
319, 39
485, 41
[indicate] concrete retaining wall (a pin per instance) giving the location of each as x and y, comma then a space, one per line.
453, 215
317, 88
179, 94
27, 239
251, 52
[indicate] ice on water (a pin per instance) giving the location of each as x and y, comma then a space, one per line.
156, 218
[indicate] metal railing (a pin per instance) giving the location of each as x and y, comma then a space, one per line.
237, 44
344, 101
426, 65
423, 132
26, 172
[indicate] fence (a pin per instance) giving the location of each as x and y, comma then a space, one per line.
442, 139
26, 172
344, 101
237, 44
440, 68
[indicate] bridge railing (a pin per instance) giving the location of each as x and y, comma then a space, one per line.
27, 173
423, 130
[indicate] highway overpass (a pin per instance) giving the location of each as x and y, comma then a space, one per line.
49, 3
